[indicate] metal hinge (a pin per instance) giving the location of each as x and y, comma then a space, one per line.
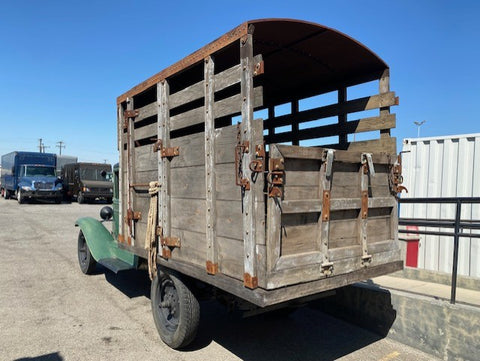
395, 178
241, 149
258, 165
167, 243
165, 152
275, 177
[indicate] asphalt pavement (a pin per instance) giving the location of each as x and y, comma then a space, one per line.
49, 310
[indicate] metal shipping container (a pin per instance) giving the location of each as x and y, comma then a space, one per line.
446, 166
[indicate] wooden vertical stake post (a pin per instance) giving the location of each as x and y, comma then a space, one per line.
210, 176
384, 87
164, 221
249, 224
130, 170
342, 118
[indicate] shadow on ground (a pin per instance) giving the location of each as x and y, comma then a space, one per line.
307, 334
48, 357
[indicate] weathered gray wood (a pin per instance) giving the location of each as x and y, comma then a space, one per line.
315, 205
386, 145
189, 214
351, 106
164, 201
224, 107
146, 111
192, 248
221, 80
210, 170
247, 134
382, 122
384, 87
309, 273
291, 151
230, 257
123, 167
130, 171
274, 215
146, 158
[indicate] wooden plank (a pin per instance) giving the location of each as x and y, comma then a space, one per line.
189, 214
351, 106
383, 122
384, 87
164, 200
291, 151
315, 205
122, 178
230, 257
191, 150
247, 134
224, 107
342, 118
149, 132
309, 273
188, 182
146, 158
210, 170
383, 145
192, 248
221, 81
146, 111
130, 166
274, 215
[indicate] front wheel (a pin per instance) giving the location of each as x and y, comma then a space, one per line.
85, 259
20, 197
176, 311
80, 198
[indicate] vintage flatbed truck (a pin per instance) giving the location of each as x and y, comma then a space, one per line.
253, 208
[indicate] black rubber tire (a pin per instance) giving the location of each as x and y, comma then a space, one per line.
85, 259
177, 324
80, 198
20, 198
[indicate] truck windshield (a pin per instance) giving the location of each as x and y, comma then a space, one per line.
93, 174
37, 170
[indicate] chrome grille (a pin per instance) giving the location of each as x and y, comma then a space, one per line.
43, 185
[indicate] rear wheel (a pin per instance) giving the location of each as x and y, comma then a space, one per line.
85, 259
176, 311
80, 198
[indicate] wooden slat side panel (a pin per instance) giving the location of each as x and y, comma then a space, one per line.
351, 106
228, 106
291, 276
193, 248
230, 257
189, 214
146, 159
354, 126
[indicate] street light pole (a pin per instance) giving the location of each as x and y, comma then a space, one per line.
419, 124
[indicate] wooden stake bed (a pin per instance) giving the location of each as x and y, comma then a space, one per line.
267, 209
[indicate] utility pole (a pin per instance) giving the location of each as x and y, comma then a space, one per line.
60, 145
40, 146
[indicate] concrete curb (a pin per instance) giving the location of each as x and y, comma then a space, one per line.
449, 332
419, 274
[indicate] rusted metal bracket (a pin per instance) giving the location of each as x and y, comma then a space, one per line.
258, 165
259, 68
167, 243
276, 177
165, 152
366, 260
326, 206
364, 210
212, 268
249, 281
131, 215
241, 149
127, 114
396, 178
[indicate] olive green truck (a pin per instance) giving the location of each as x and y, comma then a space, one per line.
241, 168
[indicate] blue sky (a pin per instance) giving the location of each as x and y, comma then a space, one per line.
63, 63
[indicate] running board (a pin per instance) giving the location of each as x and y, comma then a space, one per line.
115, 264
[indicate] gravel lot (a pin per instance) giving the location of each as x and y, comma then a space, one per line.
49, 310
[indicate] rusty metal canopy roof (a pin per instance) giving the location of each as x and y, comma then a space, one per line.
301, 59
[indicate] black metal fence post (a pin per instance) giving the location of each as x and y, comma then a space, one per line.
458, 212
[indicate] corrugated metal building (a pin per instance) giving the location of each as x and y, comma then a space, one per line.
446, 166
